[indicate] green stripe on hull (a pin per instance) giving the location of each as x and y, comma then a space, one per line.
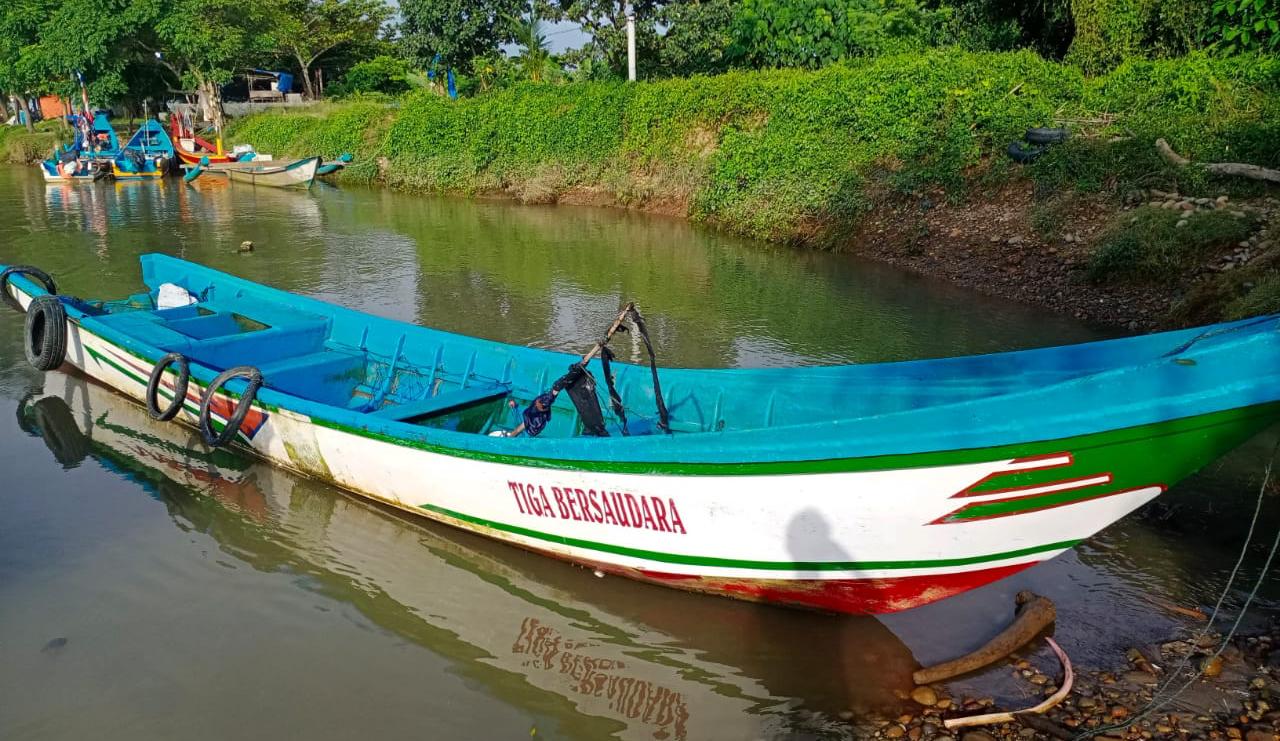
1168, 454
1241, 424
734, 563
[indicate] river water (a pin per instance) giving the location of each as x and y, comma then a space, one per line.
152, 588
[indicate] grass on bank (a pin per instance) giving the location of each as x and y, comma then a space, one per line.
1151, 246
20, 147
793, 155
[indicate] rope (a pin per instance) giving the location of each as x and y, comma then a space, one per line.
664, 419
1162, 697
1214, 333
619, 411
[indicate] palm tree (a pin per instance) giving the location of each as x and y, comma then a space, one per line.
535, 54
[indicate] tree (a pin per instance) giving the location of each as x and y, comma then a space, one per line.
454, 32
204, 42
98, 53
812, 33
699, 33
382, 74
19, 26
1246, 25
1003, 25
309, 29
606, 22
1107, 32
535, 55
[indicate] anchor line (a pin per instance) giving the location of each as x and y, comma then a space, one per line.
1162, 697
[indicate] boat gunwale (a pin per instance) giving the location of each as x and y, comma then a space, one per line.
549, 453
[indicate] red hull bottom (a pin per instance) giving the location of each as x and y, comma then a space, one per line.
852, 596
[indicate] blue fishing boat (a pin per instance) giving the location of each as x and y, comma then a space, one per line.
151, 140
863, 488
102, 143
148, 154
333, 166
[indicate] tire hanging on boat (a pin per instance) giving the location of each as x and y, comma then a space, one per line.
45, 333
27, 270
228, 433
179, 387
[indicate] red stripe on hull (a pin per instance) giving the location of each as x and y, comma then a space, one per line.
852, 596
193, 158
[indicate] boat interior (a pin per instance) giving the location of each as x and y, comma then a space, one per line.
396, 372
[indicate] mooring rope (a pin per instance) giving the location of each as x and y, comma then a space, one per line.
1162, 697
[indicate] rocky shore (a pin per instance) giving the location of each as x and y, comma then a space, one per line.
1008, 244
1235, 695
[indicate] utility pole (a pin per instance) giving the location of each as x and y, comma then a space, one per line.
631, 42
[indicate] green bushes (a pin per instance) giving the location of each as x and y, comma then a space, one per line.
382, 74
799, 155
1247, 25
354, 127
18, 146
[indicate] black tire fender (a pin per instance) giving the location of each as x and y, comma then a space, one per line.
1021, 155
27, 270
45, 333
228, 433
1046, 136
179, 387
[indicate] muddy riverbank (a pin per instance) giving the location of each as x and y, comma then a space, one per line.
1006, 243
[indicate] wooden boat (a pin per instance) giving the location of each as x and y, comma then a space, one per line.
150, 171
191, 149
146, 156
333, 166
294, 174
865, 488
139, 168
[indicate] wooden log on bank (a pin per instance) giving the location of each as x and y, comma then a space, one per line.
1068, 677
1034, 614
1227, 169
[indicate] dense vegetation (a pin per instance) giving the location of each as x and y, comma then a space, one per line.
799, 155
129, 51
783, 119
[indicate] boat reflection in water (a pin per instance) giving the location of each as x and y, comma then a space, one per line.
629, 659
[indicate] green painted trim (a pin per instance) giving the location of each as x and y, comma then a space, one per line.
734, 563
834, 465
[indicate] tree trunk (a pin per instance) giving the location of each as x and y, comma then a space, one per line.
210, 102
306, 78
26, 115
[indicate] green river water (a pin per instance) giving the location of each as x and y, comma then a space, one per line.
153, 589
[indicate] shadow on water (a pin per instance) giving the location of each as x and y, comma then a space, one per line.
613, 656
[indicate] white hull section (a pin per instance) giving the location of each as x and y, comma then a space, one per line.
767, 528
